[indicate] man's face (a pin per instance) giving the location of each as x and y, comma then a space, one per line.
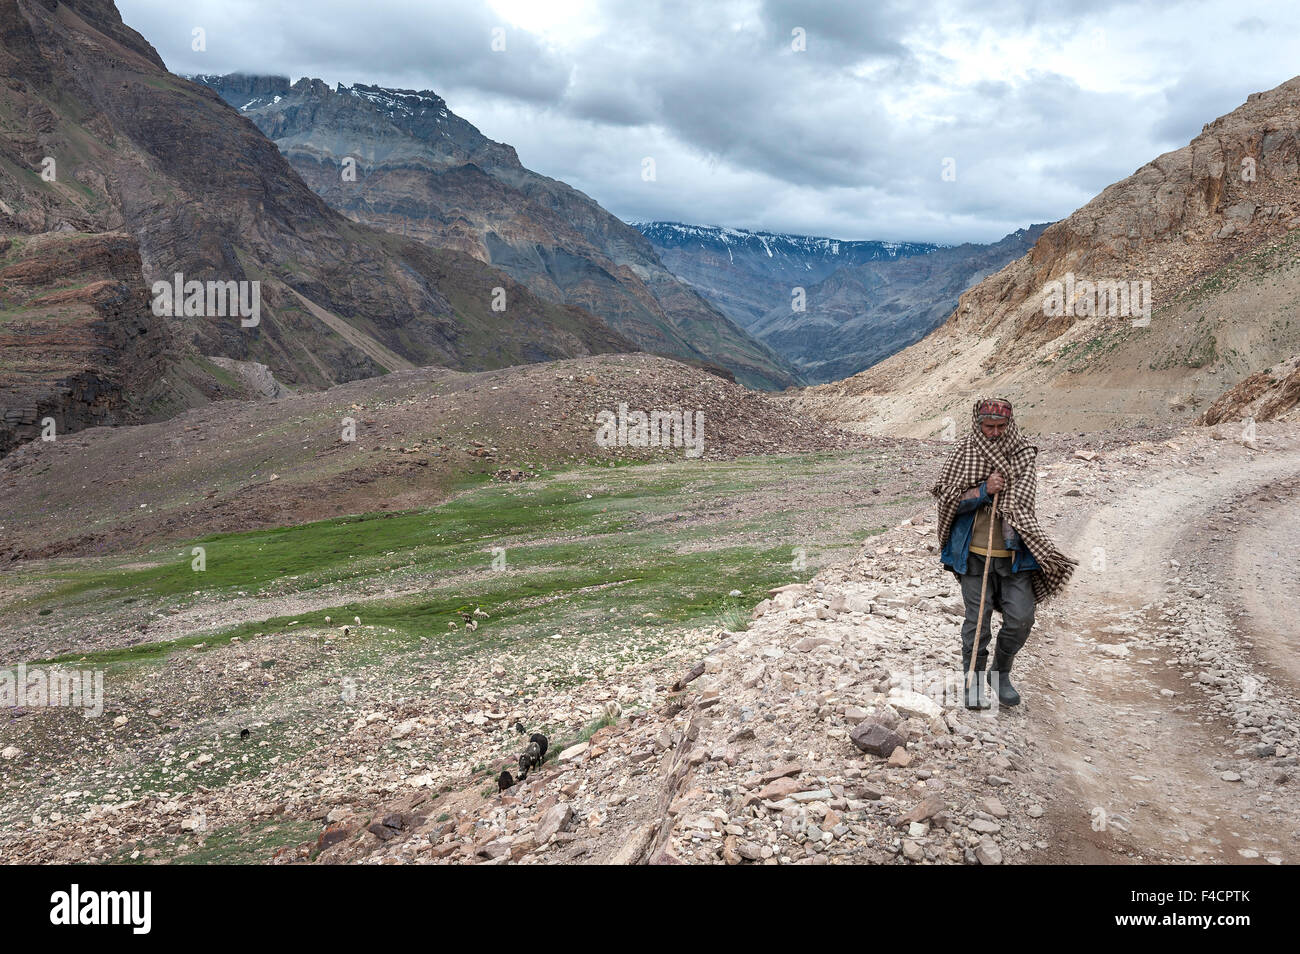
993, 427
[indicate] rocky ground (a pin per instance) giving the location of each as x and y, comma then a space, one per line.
613, 573
1159, 721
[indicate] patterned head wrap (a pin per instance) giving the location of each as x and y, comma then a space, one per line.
992, 407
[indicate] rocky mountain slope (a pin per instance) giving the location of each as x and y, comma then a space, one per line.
1213, 227
748, 274
416, 436
419, 170
76, 356
862, 314
97, 137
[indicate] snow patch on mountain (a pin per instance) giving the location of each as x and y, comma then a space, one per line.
774, 244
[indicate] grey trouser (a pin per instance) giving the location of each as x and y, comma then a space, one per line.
1013, 593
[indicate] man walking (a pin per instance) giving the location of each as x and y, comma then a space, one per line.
996, 462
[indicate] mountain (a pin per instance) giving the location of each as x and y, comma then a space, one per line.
748, 274
1169, 288
99, 140
81, 347
402, 161
861, 301
862, 314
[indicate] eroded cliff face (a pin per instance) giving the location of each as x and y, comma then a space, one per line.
1234, 188
97, 138
1266, 395
1212, 228
79, 345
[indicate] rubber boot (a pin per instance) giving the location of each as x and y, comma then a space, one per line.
975, 695
1000, 680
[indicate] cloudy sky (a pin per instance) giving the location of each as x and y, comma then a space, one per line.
834, 118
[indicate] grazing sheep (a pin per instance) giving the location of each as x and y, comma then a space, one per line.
540, 741
519, 727
357, 620
504, 780
613, 710
529, 759
346, 631
327, 620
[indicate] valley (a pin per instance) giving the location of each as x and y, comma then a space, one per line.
342, 451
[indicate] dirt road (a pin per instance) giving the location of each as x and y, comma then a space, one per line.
1167, 674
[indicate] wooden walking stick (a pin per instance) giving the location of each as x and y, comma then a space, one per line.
984, 582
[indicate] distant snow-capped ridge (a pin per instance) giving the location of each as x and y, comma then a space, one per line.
247, 92
678, 234
407, 101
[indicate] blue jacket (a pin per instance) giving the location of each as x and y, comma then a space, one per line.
958, 545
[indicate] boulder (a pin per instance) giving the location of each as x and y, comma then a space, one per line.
555, 820
875, 738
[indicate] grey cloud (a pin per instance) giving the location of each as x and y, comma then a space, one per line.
844, 31
747, 132
441, 42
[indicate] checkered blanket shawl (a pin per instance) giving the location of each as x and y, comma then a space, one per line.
972, 461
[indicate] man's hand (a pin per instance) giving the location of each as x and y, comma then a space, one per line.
995, 484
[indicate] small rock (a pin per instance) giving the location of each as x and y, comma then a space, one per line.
913, 704
555, 820
994, 807
988, 852
874, 738
778, 789
925, 809
781, 771
572, 752
900, 757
